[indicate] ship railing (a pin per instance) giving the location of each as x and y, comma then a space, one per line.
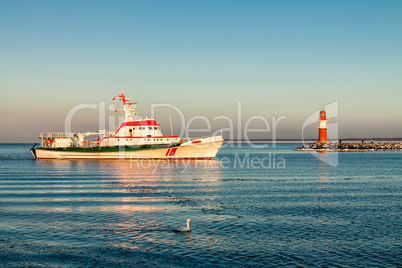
192, 139
47, 138
54, 135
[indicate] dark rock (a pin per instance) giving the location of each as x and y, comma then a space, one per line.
345, 147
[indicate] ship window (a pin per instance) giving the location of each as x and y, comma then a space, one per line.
155, 128
149, 127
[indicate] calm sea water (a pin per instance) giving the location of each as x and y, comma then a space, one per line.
250, 207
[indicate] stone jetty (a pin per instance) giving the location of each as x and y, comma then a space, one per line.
351, 147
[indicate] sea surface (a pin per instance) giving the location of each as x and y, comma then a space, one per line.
251, 206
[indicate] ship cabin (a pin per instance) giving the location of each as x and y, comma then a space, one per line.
139, 132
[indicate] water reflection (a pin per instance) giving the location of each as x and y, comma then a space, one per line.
330, 158
323, 171
136, 199
308, 213
186, 235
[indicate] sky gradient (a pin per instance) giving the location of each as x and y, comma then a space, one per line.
278, 58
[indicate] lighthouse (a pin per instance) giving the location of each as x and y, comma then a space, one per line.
322, 128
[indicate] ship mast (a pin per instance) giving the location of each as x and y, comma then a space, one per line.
129, 108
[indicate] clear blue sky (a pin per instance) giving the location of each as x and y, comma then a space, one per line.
276, 57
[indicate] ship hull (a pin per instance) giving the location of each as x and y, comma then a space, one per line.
205, 150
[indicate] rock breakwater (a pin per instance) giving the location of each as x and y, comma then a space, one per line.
352, 147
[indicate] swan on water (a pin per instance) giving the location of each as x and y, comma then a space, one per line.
183, 228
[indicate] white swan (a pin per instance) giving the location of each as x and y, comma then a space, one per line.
183, 228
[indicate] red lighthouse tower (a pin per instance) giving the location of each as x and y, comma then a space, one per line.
322, 128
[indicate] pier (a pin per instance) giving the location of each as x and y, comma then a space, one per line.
351, 146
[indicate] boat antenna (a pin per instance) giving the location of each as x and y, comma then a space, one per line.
170, 116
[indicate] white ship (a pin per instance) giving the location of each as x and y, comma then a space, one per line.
133, 139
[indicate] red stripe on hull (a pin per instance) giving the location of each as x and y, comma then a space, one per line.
173, 151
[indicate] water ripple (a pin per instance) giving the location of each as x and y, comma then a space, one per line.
306, 215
